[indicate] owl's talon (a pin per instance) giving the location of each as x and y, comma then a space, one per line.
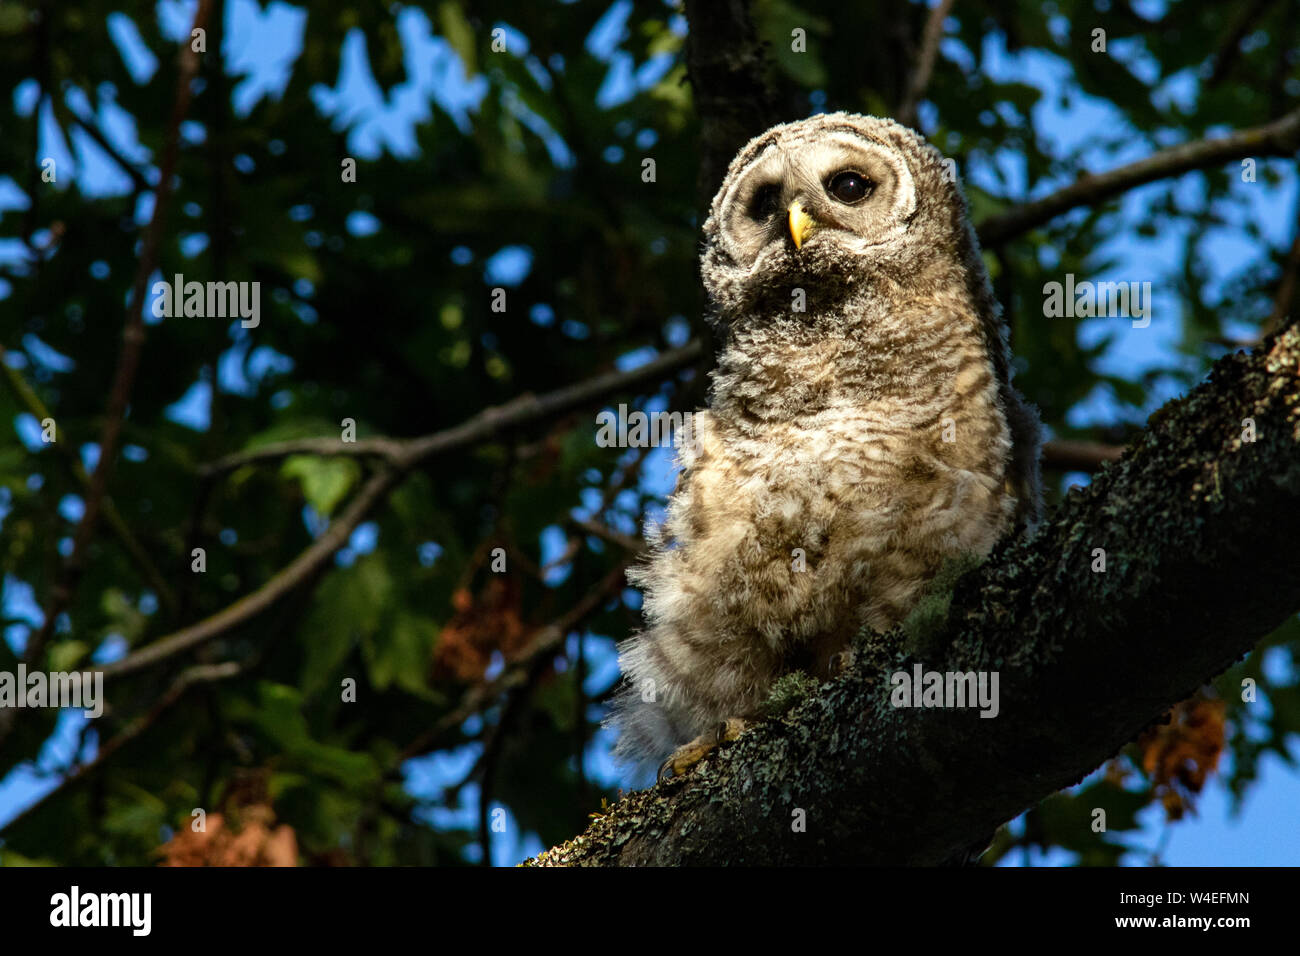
667, 769
688, 755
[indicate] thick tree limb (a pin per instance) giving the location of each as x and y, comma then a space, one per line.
729, 79
1199, 529
1278, 138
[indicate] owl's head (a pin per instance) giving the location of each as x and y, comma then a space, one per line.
828, 203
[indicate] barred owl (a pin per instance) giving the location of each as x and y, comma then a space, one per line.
861, 429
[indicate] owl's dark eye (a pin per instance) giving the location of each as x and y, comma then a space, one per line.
766, 201
850, 187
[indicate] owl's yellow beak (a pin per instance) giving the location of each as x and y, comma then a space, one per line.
800, 223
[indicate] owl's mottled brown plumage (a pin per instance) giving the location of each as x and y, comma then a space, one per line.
826, 430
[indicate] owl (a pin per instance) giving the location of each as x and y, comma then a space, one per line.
862, 428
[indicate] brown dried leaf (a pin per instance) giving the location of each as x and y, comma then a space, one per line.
252, 841
481, 626
1180, 756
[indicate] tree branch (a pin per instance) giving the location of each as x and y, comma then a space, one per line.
1199, 531
191, 677
1284, 299
931, 37
547, 641
282, 583
524, 410
28, 398
1230, 49
729, 81
402, 456
1279, 138
1067, 455
128, 362
88, 125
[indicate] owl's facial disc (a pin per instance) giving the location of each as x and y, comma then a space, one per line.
816, 203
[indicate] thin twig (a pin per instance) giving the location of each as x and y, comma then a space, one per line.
1279, 138
931, 37
91, 129
191, 677
406, 453
282, 583
546, 641
128, 361
390, 450
1284, 299
628, 543
1230, 48
116, 523
40, 26
491, 757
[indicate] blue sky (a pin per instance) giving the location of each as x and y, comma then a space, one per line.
262, 45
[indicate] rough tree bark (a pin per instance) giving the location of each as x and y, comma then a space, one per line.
1200, 530
729, 80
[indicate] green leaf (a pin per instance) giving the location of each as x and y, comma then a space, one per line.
459, 34
351, 606
401, 652
13, 19
67, 655
325, 481
280, 718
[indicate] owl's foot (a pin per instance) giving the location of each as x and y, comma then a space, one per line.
688, 755
841, 662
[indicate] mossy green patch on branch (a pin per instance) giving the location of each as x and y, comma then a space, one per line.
923, 627
789, 690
